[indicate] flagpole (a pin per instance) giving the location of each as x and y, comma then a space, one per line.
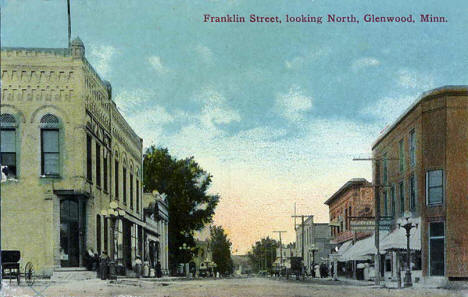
69, 24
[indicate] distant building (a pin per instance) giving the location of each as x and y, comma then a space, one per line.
316, 247
425, 168
354, 199
156, 234
287, 252
242, 264
353, 202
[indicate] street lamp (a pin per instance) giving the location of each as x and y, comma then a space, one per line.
408, 226
185, 248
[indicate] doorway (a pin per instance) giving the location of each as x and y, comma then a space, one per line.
71, 226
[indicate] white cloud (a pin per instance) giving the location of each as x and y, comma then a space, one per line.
101, 57
312, 55
215, 110
156, 63
388, 109
293, 105
411, 79
364, 63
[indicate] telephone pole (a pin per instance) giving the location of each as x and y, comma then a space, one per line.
281, 250
377, 186
302, 238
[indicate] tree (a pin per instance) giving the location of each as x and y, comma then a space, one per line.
190, 207
263, 254
221, 250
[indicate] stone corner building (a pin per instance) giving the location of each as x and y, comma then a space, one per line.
73, 164
425, 165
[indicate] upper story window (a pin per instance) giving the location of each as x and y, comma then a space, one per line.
385, 169
402, 197
98, 164
392, 191
50, 148
105, 169
124, 184
385, 203
401, 155
435, 187
89, 161
412, 193
8, 145
116, 179
412, 148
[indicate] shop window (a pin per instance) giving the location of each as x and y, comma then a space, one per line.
434, 187
437, 248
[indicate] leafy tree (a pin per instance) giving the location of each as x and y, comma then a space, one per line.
190, 207
263, 254
221, 250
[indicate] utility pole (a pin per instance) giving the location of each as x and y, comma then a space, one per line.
69, 24
281, 250
1, 267
377, 186
302, 239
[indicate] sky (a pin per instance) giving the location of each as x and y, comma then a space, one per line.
275, 112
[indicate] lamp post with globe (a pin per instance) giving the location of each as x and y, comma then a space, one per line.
185, 249
408, 226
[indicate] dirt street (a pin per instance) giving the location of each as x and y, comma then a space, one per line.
218, 288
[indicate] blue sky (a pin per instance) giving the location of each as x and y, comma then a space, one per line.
275, 112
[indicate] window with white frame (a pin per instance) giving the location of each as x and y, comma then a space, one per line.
50, 147
435, 187
8, 145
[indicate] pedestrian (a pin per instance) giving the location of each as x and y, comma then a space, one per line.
158, 270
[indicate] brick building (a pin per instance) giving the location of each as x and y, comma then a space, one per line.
425, 169
355, 198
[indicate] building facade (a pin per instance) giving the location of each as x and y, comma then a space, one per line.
156, 231
73, 164
424, 165
354, 199
316, 247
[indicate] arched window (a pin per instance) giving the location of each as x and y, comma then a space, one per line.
8, 145
50, 152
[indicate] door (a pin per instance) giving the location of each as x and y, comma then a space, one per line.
69, 233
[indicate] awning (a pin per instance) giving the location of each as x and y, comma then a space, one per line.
397, 239
360, 250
